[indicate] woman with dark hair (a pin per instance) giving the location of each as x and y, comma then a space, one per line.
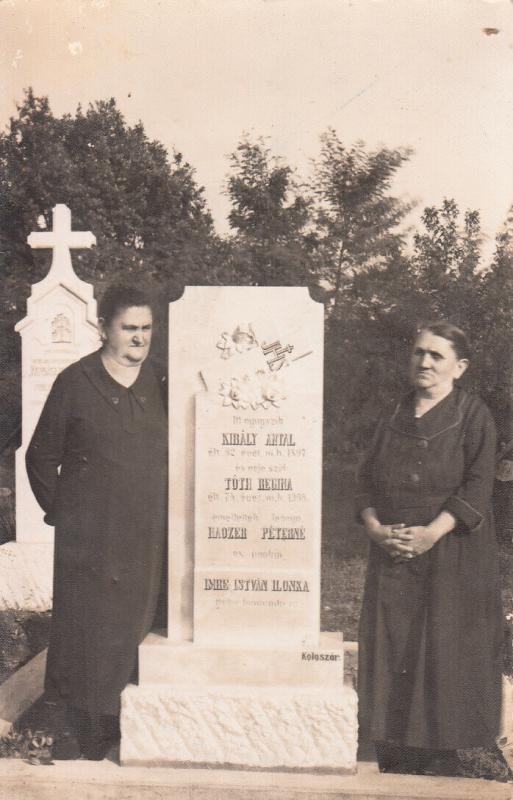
429, 678
97, 464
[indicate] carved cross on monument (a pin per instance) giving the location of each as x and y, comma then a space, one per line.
61, 239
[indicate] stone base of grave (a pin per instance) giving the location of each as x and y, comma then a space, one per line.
26, 576
251, 709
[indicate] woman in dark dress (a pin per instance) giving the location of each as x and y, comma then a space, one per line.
431, 624
97, 464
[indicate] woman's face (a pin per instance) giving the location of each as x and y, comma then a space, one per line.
127, 337
434, 363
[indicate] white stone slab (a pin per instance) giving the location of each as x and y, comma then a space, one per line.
188, 664
262, 728
218, 336
26, 572
60, 327
258, 521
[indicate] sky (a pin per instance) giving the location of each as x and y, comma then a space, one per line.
436, 75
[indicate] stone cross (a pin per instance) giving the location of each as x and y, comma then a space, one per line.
61, 239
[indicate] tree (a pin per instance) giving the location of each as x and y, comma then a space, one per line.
443, 277
447, 259
495, 336
356, 217
268, 215
356, 246
147, 212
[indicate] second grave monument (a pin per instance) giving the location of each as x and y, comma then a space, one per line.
59, 328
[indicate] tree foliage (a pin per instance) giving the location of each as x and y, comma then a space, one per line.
447, 257
356, 217
268, 216
147, 212
495, 377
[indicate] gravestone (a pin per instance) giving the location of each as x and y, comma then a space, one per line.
244, 676
59, 328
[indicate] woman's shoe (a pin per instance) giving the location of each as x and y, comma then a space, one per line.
96, 751
444, 764
103, 734
404, 760
66, 748
393, 758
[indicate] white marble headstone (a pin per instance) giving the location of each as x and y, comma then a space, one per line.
245, 465
244, 678
60, 327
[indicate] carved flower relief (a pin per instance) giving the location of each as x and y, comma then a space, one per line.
260, 390
242, 339
236, 393
226, 345
270, 390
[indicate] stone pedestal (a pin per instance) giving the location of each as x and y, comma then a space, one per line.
244, 677
26, 576
247, 707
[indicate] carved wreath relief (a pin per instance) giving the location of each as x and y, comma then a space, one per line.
252, 391
262, 389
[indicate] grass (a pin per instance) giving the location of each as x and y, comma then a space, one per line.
7, 506
23, 634
342, 583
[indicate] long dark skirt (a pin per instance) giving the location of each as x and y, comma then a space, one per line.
430, 645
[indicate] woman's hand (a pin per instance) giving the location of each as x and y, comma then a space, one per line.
391, 538
394, 540
422, 539
403, 542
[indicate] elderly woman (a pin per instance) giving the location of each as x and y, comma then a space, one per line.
431, 625
97, 466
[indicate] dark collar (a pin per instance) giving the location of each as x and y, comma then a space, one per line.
447, 414
110, 389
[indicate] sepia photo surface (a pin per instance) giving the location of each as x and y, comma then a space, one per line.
324, 177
